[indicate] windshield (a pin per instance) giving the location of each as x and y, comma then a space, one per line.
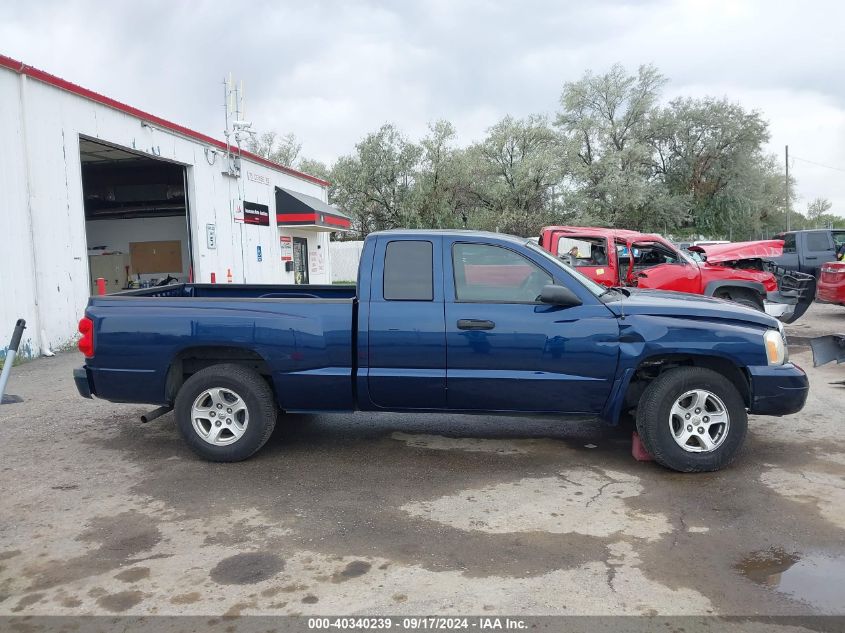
592, 286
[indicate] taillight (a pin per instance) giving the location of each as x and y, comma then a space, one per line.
834, 269
86, 343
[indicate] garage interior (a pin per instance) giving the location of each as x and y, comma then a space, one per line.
136, 217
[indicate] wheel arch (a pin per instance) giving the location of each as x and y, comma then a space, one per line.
189, 360
651, 367
715, 286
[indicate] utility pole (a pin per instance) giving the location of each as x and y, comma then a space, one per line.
787, 187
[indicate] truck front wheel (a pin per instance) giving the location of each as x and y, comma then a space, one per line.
225, 412
692, 419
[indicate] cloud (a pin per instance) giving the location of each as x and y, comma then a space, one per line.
331, 71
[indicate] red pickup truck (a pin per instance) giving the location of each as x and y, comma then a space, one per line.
737, 271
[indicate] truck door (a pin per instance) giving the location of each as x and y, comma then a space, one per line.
591, 255
818, 249
507, 351
407, 332
655, 265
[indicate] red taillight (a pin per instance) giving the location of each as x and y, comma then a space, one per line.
86, 343
834, 269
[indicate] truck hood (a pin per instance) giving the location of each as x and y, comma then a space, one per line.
761, 249
683, 305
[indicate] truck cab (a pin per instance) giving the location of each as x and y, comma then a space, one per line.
806, 251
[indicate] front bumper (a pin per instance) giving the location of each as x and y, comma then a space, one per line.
778, 390
83, 382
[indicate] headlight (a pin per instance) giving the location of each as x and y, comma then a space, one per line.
775, 347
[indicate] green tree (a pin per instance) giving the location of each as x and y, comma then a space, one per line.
439, 193
511, 173
375, 185
817, 208
605, 124
709, 154
314, 168
283, 150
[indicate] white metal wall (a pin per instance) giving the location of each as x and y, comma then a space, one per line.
345, 257
44, 272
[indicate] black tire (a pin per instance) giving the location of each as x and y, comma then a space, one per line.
260, 406
653, 419
743, 297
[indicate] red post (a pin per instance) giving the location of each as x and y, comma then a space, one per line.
214, 278
101, 286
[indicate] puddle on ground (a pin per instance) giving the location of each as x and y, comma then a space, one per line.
815, 578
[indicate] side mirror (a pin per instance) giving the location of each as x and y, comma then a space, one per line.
559, 296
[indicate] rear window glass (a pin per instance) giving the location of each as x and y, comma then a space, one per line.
788, 242
408, 271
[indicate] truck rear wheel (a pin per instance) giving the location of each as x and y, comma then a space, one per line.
692, 419
225, 412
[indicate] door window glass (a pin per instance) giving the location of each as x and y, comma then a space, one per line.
492, 273
817, 241
408, 271
583, 251
648, 254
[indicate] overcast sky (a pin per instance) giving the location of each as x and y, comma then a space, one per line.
332, 71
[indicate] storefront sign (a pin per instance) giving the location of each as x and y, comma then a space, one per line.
255, 213
211, 235
317, 263
286, 244
264, 180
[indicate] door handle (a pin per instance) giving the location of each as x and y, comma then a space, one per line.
475, 324
811, 257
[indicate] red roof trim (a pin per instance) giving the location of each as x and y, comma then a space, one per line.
296, 217
330, 219
62, 84
285, 218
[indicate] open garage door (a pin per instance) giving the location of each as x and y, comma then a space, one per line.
136, 217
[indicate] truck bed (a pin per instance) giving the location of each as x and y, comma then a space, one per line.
243, 291
301, 334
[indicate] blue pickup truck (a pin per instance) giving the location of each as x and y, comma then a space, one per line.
443, 321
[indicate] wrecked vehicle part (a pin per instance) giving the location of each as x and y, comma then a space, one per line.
827, 349
795, 291
736, 251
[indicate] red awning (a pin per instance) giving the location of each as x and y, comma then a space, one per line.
301, 210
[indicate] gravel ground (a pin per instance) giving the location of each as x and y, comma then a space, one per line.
398, 514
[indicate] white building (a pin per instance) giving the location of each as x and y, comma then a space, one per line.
90, 187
